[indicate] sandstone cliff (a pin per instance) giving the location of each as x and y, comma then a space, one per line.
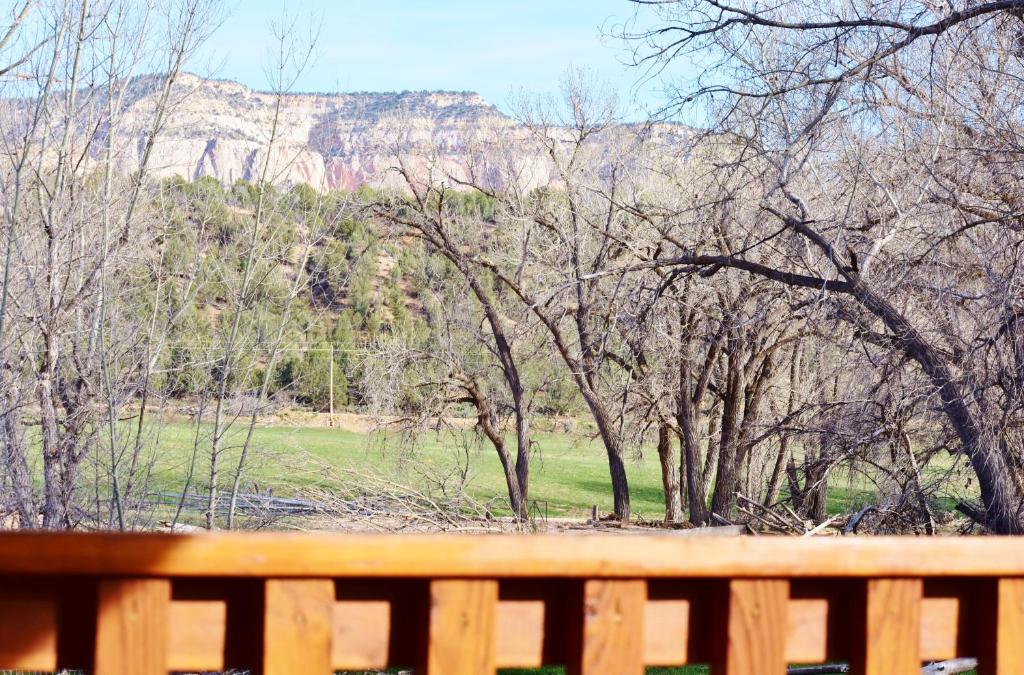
222, 128
331, 141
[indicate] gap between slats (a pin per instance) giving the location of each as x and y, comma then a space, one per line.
362, 632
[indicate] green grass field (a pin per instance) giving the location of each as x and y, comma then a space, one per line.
569, 472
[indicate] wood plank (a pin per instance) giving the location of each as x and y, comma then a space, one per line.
463, 617
28, 631
520, 634
196, 635
298, 626
940, 628
892, 630
666, 632
1009, 647
613, 628
807, 638
307, 555
132, 627
807, 630
362, 631
756, 628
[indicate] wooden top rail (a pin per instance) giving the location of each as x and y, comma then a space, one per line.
606, 556
282, 604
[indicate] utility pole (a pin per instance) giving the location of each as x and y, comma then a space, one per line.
330, 387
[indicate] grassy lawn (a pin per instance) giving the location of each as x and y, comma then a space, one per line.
568, 471
568, 474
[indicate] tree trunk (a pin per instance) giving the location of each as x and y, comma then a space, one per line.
782, 459
50, 436
689, 459
613, 448
714, 447
487, 421
523, 455
999, 491
771, 494
914, 483
815, 493
15, 459
669, 476
515, 495
510, 371
796, 492
727, 480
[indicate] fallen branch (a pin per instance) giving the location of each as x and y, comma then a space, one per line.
779, 524
854, 522
972, 511
824, 524
950, 667
827, 669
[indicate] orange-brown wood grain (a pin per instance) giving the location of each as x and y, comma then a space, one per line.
520, 634
892, 628
579, 600
1009, 647
613, 628
806, 630
298, 626
28, 631
940, 628
362, 631
666, 632
196, 635
756, 627
304, 555
131, 627
463, 615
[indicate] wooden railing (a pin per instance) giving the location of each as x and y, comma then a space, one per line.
304, 604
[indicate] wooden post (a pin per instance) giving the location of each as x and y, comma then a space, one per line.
462, 627
755, 628
331, 388
1001, 652
613, 628
298, 626
892, 630
132, 626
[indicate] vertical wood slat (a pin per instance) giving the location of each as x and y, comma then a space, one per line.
298, 626
28, 631
463, 618
613, 628
197, 635
131, 627
1009, 638
892, 628
756, 628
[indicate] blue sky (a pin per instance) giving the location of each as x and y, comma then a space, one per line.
493, 47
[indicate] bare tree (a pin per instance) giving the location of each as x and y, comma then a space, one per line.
439, 220
878, 166
292, 55
66, 232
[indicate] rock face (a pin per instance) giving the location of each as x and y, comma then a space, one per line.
335, 141
330, 141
